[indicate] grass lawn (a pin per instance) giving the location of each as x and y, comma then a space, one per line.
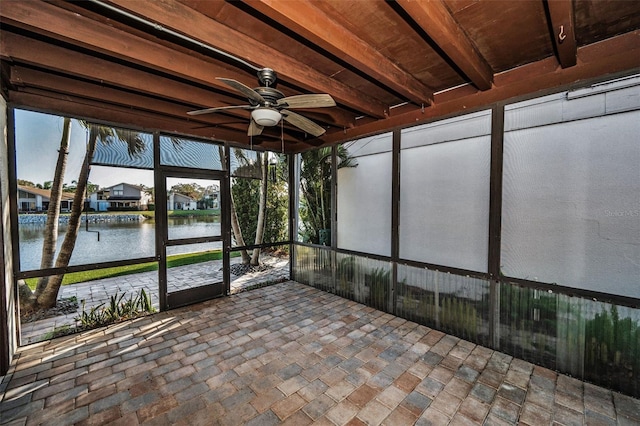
172, 262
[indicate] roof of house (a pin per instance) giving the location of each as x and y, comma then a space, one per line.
138, 187
45, 193
182, 196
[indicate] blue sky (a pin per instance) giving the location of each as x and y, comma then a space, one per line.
37, 143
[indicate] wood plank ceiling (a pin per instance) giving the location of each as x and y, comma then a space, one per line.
388, 64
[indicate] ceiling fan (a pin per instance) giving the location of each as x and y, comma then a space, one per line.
268, 105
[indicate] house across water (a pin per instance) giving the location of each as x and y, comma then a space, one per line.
36, 200
122, 196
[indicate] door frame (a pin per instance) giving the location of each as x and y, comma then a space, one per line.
207, 291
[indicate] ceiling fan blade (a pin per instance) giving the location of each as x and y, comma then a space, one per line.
318, 100
245, 90
216, 109
302, 123
254, 128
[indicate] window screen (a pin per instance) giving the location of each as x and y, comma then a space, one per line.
364, 195
193, 154
571, 192
444, 192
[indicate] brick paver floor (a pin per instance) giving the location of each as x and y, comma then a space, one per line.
290, 354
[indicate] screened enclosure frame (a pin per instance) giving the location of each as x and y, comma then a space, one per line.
158, 171
320, 266
493, 238
494, 277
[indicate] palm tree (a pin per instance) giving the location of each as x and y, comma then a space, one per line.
47, 289
315, 174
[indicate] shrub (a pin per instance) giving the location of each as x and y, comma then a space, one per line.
118, 309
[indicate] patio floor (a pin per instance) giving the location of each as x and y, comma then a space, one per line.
290, 354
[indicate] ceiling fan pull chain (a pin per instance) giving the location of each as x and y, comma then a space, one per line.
282, 134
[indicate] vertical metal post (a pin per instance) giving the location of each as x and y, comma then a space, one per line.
13, 191
13, 212
395, 218
159, 183
4, 320
495, 220
225, 212
293, 211
334, 216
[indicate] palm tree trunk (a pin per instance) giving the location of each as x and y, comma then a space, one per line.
237, 233
262, 208
53, 211
47, 298
29, 299
235, 223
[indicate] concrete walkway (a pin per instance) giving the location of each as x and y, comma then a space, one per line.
100, 291
290, 354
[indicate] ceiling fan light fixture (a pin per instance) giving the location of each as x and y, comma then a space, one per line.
266, 117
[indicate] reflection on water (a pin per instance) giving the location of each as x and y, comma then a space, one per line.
194, 226
118, 240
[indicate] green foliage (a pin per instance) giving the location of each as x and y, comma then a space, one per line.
23, 182
460, 316
454, 314
315, 189
246, 196
94, 318
345, 276
118, 309
612, 350
63, 330
191, 190
246, 193
529, 309
379, 284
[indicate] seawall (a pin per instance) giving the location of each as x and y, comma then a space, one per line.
41, 219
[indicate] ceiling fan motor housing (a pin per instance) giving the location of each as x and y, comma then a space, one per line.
270, 95
267, 77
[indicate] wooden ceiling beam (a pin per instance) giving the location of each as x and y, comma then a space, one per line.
26, 77
610, 57
563, 34
52, 21
25, 50
314, 25
118, 116
49, 20
435, 19
185, 20
93, 110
